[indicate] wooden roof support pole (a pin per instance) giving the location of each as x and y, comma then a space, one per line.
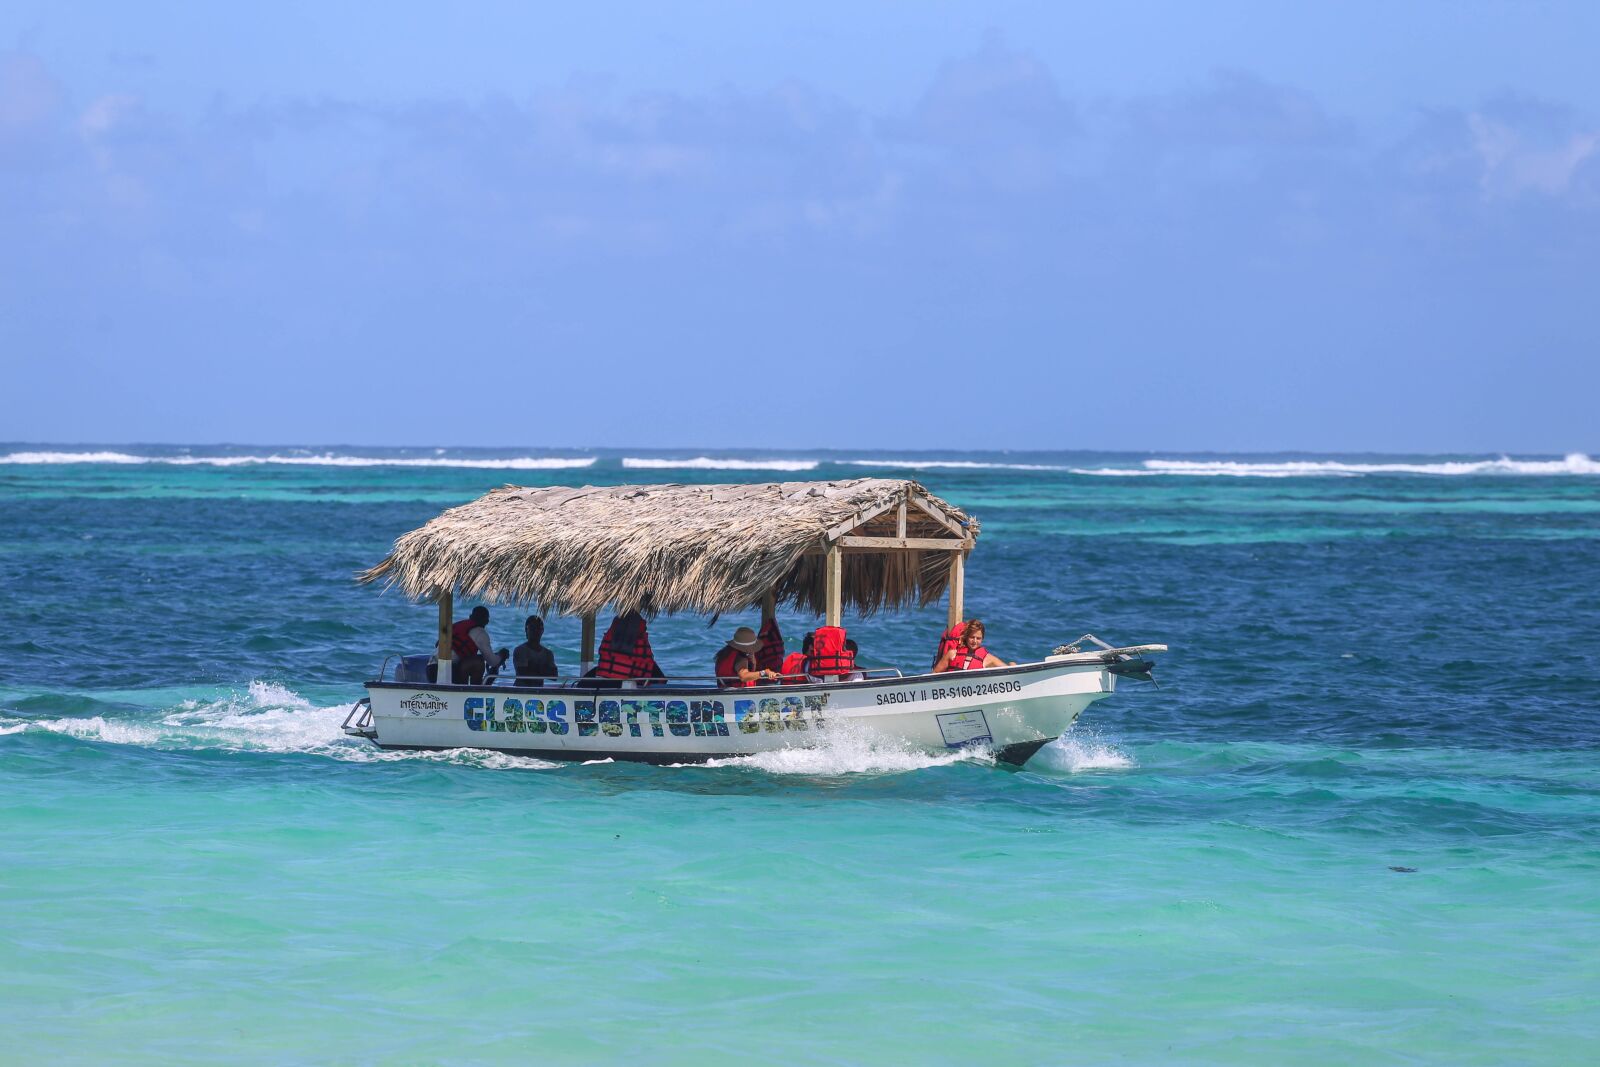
446, 613
769, 608
958, 588
588, 643
834, 586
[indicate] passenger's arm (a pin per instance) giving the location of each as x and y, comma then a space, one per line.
480, 637
992, 660
944, 662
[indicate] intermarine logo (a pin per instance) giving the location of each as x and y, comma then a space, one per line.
423, 704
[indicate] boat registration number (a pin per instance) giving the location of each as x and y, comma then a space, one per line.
948, 692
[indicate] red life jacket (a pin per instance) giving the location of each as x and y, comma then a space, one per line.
965, 659
461, 642
949, 641
794, 664
728, 664
829, 657
769, 656
636, 662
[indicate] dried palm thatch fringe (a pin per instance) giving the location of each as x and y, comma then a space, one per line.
675, 548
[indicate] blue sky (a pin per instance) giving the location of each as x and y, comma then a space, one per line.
1233, 226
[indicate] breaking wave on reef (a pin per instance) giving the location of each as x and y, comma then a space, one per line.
1573, 463
326, 459
949, 464
708, 463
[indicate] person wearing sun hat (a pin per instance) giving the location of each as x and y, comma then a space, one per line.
736, 663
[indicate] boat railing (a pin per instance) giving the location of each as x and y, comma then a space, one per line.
403, 664
1072, 647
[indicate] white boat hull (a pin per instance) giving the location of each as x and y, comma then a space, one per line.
1012, 711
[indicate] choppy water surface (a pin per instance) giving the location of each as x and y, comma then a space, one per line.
1379, 663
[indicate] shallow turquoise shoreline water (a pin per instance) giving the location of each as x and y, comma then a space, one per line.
1369, 671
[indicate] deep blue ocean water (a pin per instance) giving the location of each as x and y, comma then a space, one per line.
1377, 663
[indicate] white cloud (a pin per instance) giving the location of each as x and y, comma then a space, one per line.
1513, 165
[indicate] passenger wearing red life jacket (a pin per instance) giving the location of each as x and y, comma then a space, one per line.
736, 665
831, 657
969, 655
796, 664
625, 650
770, 654
472, 650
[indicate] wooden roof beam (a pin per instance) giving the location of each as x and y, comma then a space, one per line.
916, 544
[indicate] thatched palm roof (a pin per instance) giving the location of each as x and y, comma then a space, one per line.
670, 548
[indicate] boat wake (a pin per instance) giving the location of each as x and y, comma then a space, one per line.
266, 717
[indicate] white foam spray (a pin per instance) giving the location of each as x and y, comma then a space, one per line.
844, 750
1069, 754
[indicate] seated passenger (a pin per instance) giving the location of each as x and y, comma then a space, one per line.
736, 664
831, 657
796, 664
969, 655
472, 650
851, 647
533, 662
625, 651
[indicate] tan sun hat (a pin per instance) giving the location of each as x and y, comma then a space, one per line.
745, 640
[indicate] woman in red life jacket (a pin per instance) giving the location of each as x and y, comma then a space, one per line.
969, 655
625, 650
736, 664
796, 664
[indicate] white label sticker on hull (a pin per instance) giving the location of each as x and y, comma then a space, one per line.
964, 728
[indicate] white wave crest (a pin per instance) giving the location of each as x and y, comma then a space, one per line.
708, 463
327, 459
949, 464
1573, 463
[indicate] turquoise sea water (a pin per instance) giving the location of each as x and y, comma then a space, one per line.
1378, 663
